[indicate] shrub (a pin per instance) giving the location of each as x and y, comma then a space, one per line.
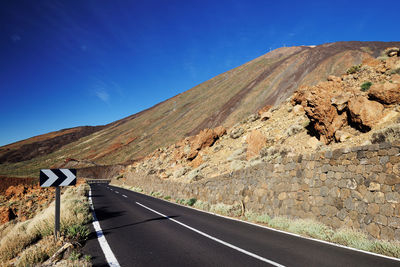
256, 217
365, 86
201, 205
281, 223
77, 232
227, 210
191, 202
311, 228
353, 69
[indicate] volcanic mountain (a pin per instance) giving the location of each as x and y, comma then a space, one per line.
224, 100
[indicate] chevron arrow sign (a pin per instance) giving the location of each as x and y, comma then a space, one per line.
57, 177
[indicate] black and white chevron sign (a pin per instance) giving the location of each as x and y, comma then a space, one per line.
57, 177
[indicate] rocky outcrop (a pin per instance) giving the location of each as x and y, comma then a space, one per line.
392, 51
256, 141
386, 93
319, 103
205, 138
364, 113
332, 105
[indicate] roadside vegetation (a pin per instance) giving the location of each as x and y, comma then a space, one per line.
304, 227
32, 242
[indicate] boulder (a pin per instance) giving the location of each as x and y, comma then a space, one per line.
334, 78
340, 101
374, 63
256, 141
341, 136
298, 109
314, 143
364, 113
205, 138
392, 51
253, 117
197, 161
220, 131
316, 101
264, 109
265, 115
236, 133
386, 93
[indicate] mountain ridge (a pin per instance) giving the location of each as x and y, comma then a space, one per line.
222, 100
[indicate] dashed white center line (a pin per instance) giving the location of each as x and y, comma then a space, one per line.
117, 192
124, 196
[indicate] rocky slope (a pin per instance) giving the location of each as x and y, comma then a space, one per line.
221, 101
358, 107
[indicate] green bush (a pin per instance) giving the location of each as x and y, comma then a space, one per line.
191, 202
353, 69
77, 232
365, 86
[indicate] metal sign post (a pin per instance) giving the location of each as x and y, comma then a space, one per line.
56, 178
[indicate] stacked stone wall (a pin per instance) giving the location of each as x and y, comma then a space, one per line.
356, 187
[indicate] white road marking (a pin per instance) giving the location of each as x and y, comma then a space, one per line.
110, 257
117, 192
280, 231
215, 239
124, 196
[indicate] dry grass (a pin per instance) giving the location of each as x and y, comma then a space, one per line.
226, 210
27, 235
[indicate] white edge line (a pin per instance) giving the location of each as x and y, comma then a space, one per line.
276, 230
110, 257
215, 239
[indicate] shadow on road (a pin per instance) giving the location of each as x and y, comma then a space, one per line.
136, 223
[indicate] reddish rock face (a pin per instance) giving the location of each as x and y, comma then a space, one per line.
6, 215
264, 109
18, 190
317, 103
205, 138
365, 113
377, 64
387, 93
256, 141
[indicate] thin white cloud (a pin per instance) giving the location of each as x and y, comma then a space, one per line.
103, 95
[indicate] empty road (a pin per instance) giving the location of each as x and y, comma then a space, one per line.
145, 231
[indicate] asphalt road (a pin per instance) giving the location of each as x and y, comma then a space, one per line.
145, 231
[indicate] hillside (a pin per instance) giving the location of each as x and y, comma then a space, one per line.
360, 107
223, 100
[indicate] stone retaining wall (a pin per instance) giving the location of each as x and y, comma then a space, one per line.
356, 187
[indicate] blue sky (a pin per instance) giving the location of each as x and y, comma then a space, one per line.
73, 63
